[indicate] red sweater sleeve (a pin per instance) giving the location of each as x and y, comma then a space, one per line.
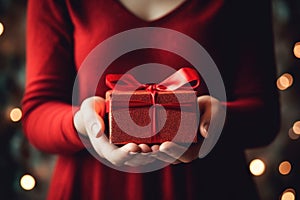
50, 72
253, 117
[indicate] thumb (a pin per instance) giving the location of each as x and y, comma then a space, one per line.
94, 123
205, 123
204, 129
97, 127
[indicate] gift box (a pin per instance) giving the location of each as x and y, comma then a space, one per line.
152, 113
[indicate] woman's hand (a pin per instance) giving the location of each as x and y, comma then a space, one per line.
88, 121
211, 112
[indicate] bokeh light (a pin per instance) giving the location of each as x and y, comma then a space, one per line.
296, 127
1, 28
285, 81
15, 114
297, 50
27, 182
288, 194
257, 167
293, 135
285, 167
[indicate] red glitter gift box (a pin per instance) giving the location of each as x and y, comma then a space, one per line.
153, 113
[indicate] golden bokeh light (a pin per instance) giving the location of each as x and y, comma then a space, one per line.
1, 28
293, 135
257, 167
27, 182
297, 50
285, 167
296, 127
285, 81
288, 194
15, 114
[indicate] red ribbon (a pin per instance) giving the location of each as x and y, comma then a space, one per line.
179, 79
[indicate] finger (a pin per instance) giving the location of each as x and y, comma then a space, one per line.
117, 156
179, 152
205, 110
204, 128
155, 148
205, 122
145, 148
78, 123
95, 103
163, 157
160, 155
93, 123
171, 149
99, 105
131, 147
204, 102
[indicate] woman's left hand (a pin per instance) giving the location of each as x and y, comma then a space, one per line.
211, 109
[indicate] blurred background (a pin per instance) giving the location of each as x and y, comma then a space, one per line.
25, 172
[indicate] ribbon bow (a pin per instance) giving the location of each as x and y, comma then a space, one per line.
179, 79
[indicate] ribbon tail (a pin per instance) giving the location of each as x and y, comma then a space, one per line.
122, 82
180, 78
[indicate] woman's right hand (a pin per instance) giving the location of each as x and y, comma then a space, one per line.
88, 121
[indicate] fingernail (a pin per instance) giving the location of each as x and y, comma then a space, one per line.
99, 134
133, 153
205, 132
96, 129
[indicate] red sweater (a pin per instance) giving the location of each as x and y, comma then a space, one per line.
238, 36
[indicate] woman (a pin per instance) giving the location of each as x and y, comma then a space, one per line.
237, 35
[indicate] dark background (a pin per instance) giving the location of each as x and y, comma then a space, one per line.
18, 157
